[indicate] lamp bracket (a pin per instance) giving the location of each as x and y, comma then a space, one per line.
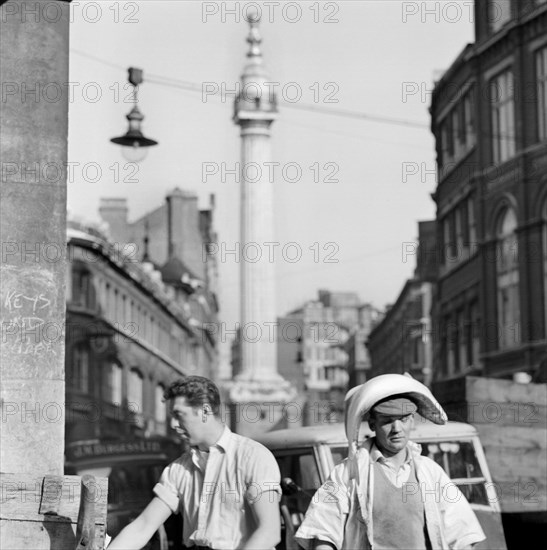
134, 76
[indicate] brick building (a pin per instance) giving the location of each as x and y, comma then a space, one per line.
489, 118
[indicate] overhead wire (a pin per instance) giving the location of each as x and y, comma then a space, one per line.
170, 82
195, 87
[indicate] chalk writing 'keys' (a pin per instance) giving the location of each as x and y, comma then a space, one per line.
14, 300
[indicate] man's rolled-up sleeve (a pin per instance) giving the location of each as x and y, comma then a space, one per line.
325, 518
262, 474
168, 488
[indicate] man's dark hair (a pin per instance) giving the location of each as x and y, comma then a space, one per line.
197, 390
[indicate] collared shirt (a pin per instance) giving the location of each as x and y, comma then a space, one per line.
397, 476
213, 495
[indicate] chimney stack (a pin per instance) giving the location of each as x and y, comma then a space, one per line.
114, 212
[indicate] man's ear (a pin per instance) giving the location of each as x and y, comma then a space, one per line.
206, 411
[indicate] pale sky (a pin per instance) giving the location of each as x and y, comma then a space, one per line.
378, 58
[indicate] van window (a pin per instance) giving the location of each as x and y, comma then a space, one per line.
300, 465
457, 458
299, 480
459, 461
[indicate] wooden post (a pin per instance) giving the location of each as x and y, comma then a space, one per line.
43, 512
33, 146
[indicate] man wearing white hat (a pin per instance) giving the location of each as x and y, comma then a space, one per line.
386, 495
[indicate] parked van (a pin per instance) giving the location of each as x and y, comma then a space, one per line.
307, 455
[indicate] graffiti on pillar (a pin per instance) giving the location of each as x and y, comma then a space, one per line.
29, 319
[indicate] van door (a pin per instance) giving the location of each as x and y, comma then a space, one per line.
464, 462
300, 478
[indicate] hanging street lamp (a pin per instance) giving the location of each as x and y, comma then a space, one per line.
134, 144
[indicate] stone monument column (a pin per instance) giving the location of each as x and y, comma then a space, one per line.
258, 391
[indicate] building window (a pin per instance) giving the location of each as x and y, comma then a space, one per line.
143, 333
117, 312
499, 13
160, 406
456, 343
452, 346
138, 321
472, 226
417, 351
135, 391
508, 281
457, 132
502, 113
79, 370
124, 310
450, 252
472, 336
160, 410
109, 305
462, 352
83, 293
468, 118
446, 346
112, 383
541, 78
445, 240
459, 232
447, 142
545, 262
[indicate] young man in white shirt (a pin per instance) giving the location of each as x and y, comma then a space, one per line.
226, 486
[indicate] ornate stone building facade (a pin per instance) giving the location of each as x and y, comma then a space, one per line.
133, 326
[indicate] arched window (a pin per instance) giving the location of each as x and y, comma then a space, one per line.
502, 111
507, 271
112, 383
83, 292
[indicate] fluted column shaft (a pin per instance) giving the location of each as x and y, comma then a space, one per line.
258, 345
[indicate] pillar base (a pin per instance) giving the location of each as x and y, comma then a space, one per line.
260, 405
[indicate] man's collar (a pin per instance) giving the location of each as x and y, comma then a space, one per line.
412, 450
225, 439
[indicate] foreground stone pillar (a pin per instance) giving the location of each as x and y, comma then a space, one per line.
39, 507
33, 154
